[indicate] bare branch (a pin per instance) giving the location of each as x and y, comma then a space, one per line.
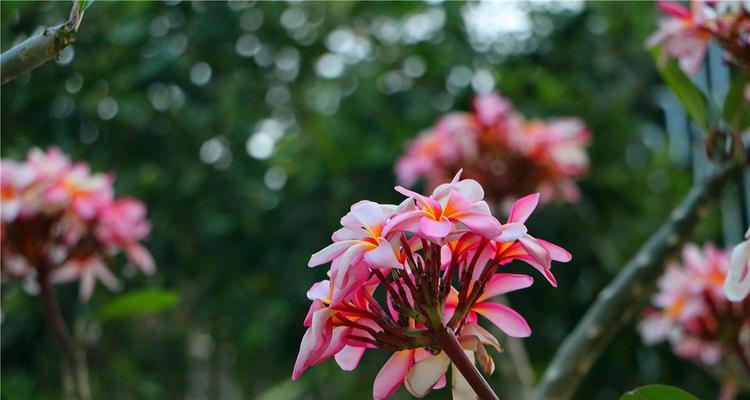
617, 303
41, 48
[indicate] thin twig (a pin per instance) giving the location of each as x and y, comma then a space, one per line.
617, 303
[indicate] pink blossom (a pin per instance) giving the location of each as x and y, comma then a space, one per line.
414, 252
448, 143
690, 311
459, 202
686, 33
122, 224
15, 178
72, 217
87, 271
362, 237
492, 145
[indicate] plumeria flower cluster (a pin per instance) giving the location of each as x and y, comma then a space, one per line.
413, 279
61, 222
691, 311
686, 32
493, 144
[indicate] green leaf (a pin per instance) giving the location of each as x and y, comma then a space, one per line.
85, 4
140, 303
736, 111
693, 100
658, 392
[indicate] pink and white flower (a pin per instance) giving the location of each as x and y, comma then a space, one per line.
685, 33
500, 149
73, 219
691, 312
414, 252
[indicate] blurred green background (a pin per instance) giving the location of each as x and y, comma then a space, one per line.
250, 128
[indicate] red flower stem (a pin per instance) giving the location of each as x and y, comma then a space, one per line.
448, 277
363, 339
435, 273
478, 288
468, 274
409, 254
399, 303
346, 321
453, 349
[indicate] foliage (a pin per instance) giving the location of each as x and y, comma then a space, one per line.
693, 100
139, 303
657, 392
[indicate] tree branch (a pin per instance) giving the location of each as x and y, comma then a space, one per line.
41, 48
617, 303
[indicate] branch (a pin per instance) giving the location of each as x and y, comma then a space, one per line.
617, 303
41, 48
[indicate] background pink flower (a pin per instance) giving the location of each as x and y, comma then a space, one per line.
690, 311
685, 33
61, 222
507, 154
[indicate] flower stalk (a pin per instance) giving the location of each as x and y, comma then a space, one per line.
54, 316
451, 346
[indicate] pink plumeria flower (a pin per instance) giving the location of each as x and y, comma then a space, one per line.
87, 271
489, 109
49, 165
448, 143
84, 193
691, 312
492, 145
326, 337
414, 252
505, 318
460, 202
686, 33
682, 35
72, 216
536, 252
15, 178
122, 224
737, 285
361, 238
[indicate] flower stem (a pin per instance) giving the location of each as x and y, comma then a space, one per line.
728, 391
60, 333
453, 349
54, 316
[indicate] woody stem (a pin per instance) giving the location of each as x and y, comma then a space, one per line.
450, 345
